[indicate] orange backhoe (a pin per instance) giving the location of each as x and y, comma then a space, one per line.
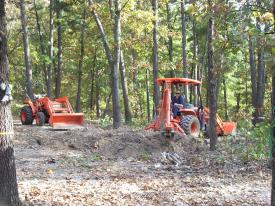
58, 113
190, 120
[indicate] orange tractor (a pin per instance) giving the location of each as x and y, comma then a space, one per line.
58, 113
190, 120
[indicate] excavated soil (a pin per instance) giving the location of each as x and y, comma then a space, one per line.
95, 166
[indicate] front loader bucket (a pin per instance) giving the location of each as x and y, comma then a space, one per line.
66, 120
229, 128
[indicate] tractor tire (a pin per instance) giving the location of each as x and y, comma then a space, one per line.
40, 119
191, 125
26, 115
47, 116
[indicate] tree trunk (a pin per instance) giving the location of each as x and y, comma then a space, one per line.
117, 38
49, 69
170, 38
97, 92
93, 79
212, 87
184, 52
41, 42
195, 65
238, 100
114, 66
273, 126
225, 97
80, 67
155, 55
253, 72
60, 52
148, 94
26, 50
261, 76
8, 189
107, 105
135, 66
128, 113
273, 136
103, 35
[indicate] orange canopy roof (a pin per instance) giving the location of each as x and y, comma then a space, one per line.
178, 81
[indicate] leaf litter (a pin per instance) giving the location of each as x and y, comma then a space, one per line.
95, 166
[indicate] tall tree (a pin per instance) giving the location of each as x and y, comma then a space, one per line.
112, 61
41, 42
49, 68
257, 78
122, 67
194, 64
60, 50
8, 189
155, 54
117, 55
169, 27
273, 121
27, 53
183, 42
212, 84
225, 98
80, 66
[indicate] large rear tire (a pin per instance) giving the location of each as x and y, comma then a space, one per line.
40, 119
191, 125
26, 115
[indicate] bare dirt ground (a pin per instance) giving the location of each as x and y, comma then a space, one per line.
95, 166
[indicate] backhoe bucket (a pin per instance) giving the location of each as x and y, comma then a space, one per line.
66, 120
229, 128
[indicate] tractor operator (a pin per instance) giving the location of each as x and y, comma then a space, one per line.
178, 102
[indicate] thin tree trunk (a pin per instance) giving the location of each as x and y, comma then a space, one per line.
225, 97
195, 65
253, 73
8, 189
97, 92
135, 66
155, 55
107, 105
212, 86
91, 101
80, 68
102, 34
273, 120
273, 136
184, 52
41, 42
59, 53
128, 113
93, 73
117, 38
114, 66
148, 95
170, 38
261, 77
49, 68
26, 50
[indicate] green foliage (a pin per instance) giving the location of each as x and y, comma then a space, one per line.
105, 122
16, 108
259, 138
256, 143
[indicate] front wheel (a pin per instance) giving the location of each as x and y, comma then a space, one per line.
191, 125
40, 119
26, 115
